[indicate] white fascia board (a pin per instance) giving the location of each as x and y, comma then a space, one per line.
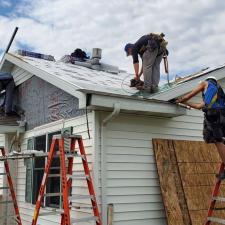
5, 129
136, 106
186, 87
66, 86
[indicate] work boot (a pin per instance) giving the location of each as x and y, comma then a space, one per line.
221, 176
154, 89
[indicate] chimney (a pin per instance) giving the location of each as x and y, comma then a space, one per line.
96, 56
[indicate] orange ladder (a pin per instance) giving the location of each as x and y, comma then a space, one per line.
66, 173
215, 198
11, 188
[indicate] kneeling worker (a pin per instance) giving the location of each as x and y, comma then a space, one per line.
151, 49
7, 84
213, 106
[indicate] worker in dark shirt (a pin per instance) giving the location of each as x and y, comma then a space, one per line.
151, 49
7, 84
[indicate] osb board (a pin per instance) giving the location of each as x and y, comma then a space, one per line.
197, 164
195, 151
170, 183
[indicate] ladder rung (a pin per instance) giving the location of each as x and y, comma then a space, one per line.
84, 219
75, 197
81, 207
6, 202
75, 136
52, 194
59, 136
79, 176
216, 220
221, 199
3, 174
69, 155
4, 188
53, 212
54, 168
54, 175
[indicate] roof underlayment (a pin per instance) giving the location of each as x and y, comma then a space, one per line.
88, 80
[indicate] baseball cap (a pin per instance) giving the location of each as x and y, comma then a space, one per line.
127, 46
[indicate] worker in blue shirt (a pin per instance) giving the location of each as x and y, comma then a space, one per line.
151, 48
7, 84
213, 106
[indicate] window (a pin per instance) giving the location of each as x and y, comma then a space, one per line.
38, 166
35, 170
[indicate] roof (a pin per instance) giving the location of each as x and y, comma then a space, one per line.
108, 88
87, 80
83, 78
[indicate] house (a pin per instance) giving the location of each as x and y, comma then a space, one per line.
56, 96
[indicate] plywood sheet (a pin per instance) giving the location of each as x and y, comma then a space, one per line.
171, 187
195, 151
197, 164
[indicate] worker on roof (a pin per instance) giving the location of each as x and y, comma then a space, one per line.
7, 84
151, 48
213, 106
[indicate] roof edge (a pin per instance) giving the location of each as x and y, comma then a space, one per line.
187, 86
131, 105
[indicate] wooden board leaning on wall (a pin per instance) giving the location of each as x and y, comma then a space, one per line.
187, 175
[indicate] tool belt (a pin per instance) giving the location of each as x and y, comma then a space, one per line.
151, 46
214, 116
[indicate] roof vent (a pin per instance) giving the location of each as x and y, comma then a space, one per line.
93, 63
96, 56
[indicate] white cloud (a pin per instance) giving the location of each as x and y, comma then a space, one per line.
194, 28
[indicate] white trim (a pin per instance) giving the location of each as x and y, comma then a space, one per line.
62, 84
4, 129
96, 153
137, 106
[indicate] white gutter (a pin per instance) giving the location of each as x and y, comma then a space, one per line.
103, 151
136, 105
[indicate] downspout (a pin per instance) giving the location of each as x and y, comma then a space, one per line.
104, 122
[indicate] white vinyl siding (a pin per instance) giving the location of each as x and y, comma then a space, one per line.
132, 180
20, 75
79, 186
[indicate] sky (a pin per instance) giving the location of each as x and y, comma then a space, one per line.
194, 29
